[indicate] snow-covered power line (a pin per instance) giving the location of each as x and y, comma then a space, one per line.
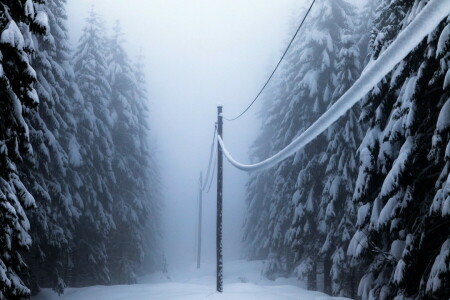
276, 67
212, 176
208, 172
422, 25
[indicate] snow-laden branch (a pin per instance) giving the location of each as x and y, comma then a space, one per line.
422, 25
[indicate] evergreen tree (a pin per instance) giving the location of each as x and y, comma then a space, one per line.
19, 21
95, 120
337, 211
132, 165
435, 284
259, 189
286, 221
328, 67
365, 29
150, 191
402, 232
49, 175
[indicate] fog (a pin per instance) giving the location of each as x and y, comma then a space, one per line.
199, 54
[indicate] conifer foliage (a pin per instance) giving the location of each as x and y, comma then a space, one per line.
95, 128
402, 228
364, 209
19, 22
309, 194
49, 174
78, 183
132, 163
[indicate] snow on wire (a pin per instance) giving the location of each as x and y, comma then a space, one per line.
422, 25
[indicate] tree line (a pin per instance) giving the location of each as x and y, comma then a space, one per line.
363, 210
79, 186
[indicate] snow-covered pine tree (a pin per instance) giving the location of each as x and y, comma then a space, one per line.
314, 83
302, 92
19, 21
337, 211
435, 284
132, 165
402, 229
365, 29
96, 182
150, 171
259, 187
264, 229
49, 176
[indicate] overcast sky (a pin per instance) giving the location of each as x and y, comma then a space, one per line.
199, 53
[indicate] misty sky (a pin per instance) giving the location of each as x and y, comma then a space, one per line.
199, 53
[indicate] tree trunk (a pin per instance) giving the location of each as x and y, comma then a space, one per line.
326, 275
353, 285
312, 278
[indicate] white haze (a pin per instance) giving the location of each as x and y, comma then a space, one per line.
199, 53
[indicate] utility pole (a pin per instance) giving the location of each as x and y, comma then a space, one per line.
199, 245
219, 205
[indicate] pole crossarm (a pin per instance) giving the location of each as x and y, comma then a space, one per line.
422, 25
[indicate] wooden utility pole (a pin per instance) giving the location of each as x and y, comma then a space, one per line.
199, 245
219, 205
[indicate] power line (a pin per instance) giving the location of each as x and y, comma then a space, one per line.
208, 172
422, 25
212, 176
276, 67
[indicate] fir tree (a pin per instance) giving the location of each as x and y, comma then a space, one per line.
328, 66
19, 21
337, 211
285, 204
95, 126
398, 232
49, 175
150, 191
132, 165
259, 189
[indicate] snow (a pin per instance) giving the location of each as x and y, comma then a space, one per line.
447, 80
399, 271
29, 8
387, 212
362, 213
75, 158
444, 117
42, 19
397, 248
357, 244
242, 280
12, 36
444, 39
440, 266
422, 25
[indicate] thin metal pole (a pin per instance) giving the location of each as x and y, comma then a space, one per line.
199, 245
219, 204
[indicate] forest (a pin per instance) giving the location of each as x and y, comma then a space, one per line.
79, 187
88, 203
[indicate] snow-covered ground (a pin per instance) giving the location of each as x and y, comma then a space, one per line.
242, 281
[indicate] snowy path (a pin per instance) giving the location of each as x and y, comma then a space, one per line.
242, 281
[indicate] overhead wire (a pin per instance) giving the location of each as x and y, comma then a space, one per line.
422, 25
206, 180
212, 175
276, 67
